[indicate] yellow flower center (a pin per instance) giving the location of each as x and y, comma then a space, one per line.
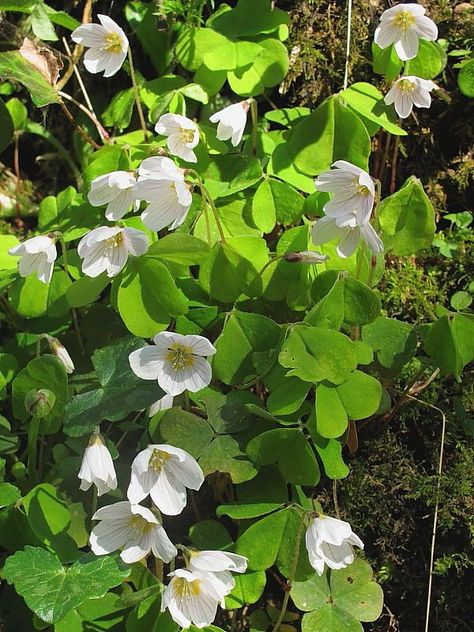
140, 525
185, 589
179, 356
404, 20
186, 135
362, 189
158, 459
113, 43
406, 86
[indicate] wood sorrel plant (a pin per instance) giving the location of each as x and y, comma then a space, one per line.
247, 242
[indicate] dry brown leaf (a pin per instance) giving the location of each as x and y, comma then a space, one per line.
44, 59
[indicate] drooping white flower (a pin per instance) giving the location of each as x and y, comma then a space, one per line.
107, 44
409, 91
326, 229
231, 122
97, 467
330, 541
106, 249
191, 599
61, 353
349, 209
116, 190
353, 193
219, 565
404, 25
162, 184
164, 472
177, 362
134, 529
182, 133
37, 255
164, 403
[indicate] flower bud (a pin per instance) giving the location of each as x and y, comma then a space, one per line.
61, 353
39, 403
305, 256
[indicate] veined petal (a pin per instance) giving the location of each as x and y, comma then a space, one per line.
147, 362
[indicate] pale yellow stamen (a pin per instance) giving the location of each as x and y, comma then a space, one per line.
158, 459
406, 86
186, 135
179, 356
404, 20
113, 43
185, 589
140, 525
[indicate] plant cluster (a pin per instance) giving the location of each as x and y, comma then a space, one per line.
247, 243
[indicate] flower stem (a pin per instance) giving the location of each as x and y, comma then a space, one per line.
136, 90
210, 201
254, 113
291, 577
33, 431
76, 125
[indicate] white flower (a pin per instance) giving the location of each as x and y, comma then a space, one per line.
116, 190
330, 541
177, 362
183, 135
161, 183
107, 44
404, 25
97, 467
106, 249
218, 564
326, 229
409, 91
191, 599
134, 529
61, 353
38, 255
164, 472
232, 121
353, 193
165, 403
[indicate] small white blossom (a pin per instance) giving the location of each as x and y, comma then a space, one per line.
191, 598
134, 529
61, 353
177, 362
107, 44
37, 255
162, 184
165, 403
409, 91
326, 229
330, 541
404, 25
106, 249
219, 565
164, 472
115, 190
182, 133
97, 467
231, 122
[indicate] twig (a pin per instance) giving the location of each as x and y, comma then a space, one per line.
348, 42
73, 122
393, 178
334, 498
136, 91
102, 132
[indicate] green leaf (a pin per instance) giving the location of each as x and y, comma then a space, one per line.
49, 519
289, 448
287, 397
9, 494
386, 61
120, 392
104, 160
315, 354
248, 590
263, 208
86, 290
225, 455
330, 617
450, 342
31, 298
246, 511
276, 201
155, 41
393, 341
41, 23
249, 19
193, 44
184, 430
15, 67
407, 219
331, 415
429, 62
330, 453
144, 311
466, 79
180, 248
18, 112
227, 412
232, 55
50, 590
332, 132
120, 109
243, 335
6, 126
460, 301
230, 174
43, 372
360, 395
267, 69
365, 99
